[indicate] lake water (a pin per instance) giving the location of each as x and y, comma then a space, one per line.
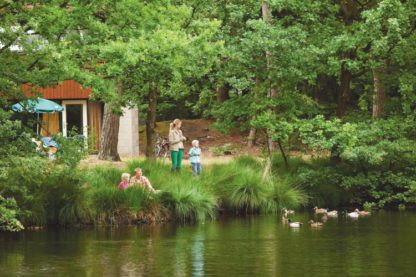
383, 244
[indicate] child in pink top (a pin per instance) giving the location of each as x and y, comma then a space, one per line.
125, 181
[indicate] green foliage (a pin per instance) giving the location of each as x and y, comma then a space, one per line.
63, 196
46, 193
8, 215
71, 150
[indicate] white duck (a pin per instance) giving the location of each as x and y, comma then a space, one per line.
353, 215
294, 224
363, 213
332, 213
287, 212
320, 210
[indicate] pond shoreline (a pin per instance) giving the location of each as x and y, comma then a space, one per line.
68, 196
221, 217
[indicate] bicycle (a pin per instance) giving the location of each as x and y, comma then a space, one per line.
161, 149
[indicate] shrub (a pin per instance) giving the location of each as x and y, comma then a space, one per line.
8, 215
45, 193
23, 181
64, 197
373, 161
71, 150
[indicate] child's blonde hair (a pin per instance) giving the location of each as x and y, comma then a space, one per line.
125, 176
195, 142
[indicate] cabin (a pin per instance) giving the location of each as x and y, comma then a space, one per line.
85, 116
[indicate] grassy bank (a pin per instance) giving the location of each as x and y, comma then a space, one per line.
49, 194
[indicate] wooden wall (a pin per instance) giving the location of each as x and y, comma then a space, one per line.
68, 89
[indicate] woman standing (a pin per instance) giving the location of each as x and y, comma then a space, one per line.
176, 140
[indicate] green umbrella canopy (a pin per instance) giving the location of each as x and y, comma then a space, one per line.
38, 105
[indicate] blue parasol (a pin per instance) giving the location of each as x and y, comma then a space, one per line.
38, 105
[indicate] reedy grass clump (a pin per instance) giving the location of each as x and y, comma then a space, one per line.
190, 203
283, 194
103, 176
107, 204
241, 189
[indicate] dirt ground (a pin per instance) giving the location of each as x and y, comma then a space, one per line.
208, 137
199, 129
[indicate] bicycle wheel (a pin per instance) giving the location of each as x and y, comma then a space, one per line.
164, 152
157, 151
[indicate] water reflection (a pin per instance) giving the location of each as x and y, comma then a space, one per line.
198, 254
380, 245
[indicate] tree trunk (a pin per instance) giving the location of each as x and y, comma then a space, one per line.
151, 121
265, 11
251, 139
109, 136
223, 93
379, 93
343, 98
282, 151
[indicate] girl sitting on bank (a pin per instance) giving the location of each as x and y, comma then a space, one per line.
125, 182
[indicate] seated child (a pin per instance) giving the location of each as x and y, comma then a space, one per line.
195, 157
140, 180
125, 177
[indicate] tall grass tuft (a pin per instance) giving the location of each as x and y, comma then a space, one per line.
190, 203
240, 188
283, 194
248, 161
109, 205
103, 176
